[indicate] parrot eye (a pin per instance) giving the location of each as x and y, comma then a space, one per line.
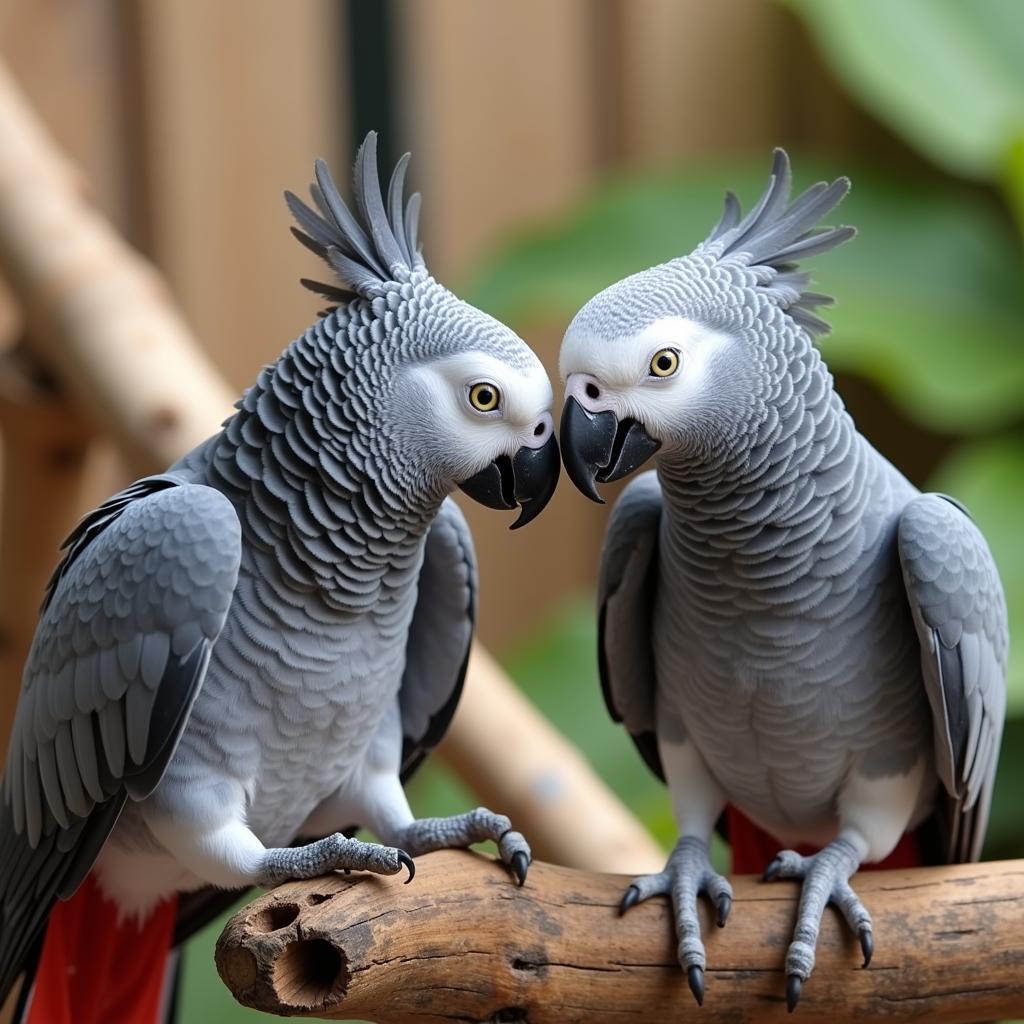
665, 363
484, 397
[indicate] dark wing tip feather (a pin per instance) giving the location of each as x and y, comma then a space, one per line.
778, 233
327, 291
369, 245
310, 243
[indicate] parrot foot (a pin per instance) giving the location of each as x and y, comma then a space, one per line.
334, 853
477, 826
826, 877
687, 875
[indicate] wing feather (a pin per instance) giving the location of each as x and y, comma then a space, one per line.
104, 696
959, 611
625, 600
440, 636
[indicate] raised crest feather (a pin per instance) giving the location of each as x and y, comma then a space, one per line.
777, 233
369, 248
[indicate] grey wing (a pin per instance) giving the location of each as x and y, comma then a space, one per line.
626, 591
440, 636
960, 615
117, 660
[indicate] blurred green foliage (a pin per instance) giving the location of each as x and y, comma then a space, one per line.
945, 75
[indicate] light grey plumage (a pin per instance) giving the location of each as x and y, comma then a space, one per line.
262, 642
786, 623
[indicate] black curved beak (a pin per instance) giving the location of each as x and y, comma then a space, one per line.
527, 480
597, 447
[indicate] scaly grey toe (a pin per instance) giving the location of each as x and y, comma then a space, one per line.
687, 875
825, 880
334, 853
477, 826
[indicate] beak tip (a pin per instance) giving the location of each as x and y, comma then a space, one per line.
536, 477
597, 446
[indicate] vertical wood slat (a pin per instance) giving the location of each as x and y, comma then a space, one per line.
238, 98
499, 109
65, 58
698, 77
499, 116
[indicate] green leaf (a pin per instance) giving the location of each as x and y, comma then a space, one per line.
988, 477
946, 75
1005, 837
929, 302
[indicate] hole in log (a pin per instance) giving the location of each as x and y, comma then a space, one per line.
314, 899
521, 964
272, 918
310, 974
533, 960
509, 1015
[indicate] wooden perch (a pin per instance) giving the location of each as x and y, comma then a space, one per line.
462, 943
104, 323
99, 313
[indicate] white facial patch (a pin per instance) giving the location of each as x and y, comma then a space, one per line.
615, 375
472, 438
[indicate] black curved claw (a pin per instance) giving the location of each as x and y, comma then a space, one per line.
520, 864
867, 944
772, 870
695, 976
794, 986
406, 860
723, 908
630, 898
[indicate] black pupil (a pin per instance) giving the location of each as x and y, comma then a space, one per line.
664, 362
484, 396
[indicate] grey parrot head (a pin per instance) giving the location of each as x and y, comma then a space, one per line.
433, 391
691, 359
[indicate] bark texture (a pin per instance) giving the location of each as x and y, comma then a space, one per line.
462, 943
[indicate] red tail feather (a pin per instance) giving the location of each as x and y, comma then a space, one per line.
94, 970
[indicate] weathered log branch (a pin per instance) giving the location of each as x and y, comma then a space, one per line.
462, 943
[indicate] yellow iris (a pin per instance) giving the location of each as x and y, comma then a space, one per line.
665, 363
484, 397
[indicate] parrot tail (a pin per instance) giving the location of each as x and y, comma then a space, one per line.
753, 849
95, 969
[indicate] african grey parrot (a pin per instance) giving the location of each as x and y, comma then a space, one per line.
787, 626
263, 642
